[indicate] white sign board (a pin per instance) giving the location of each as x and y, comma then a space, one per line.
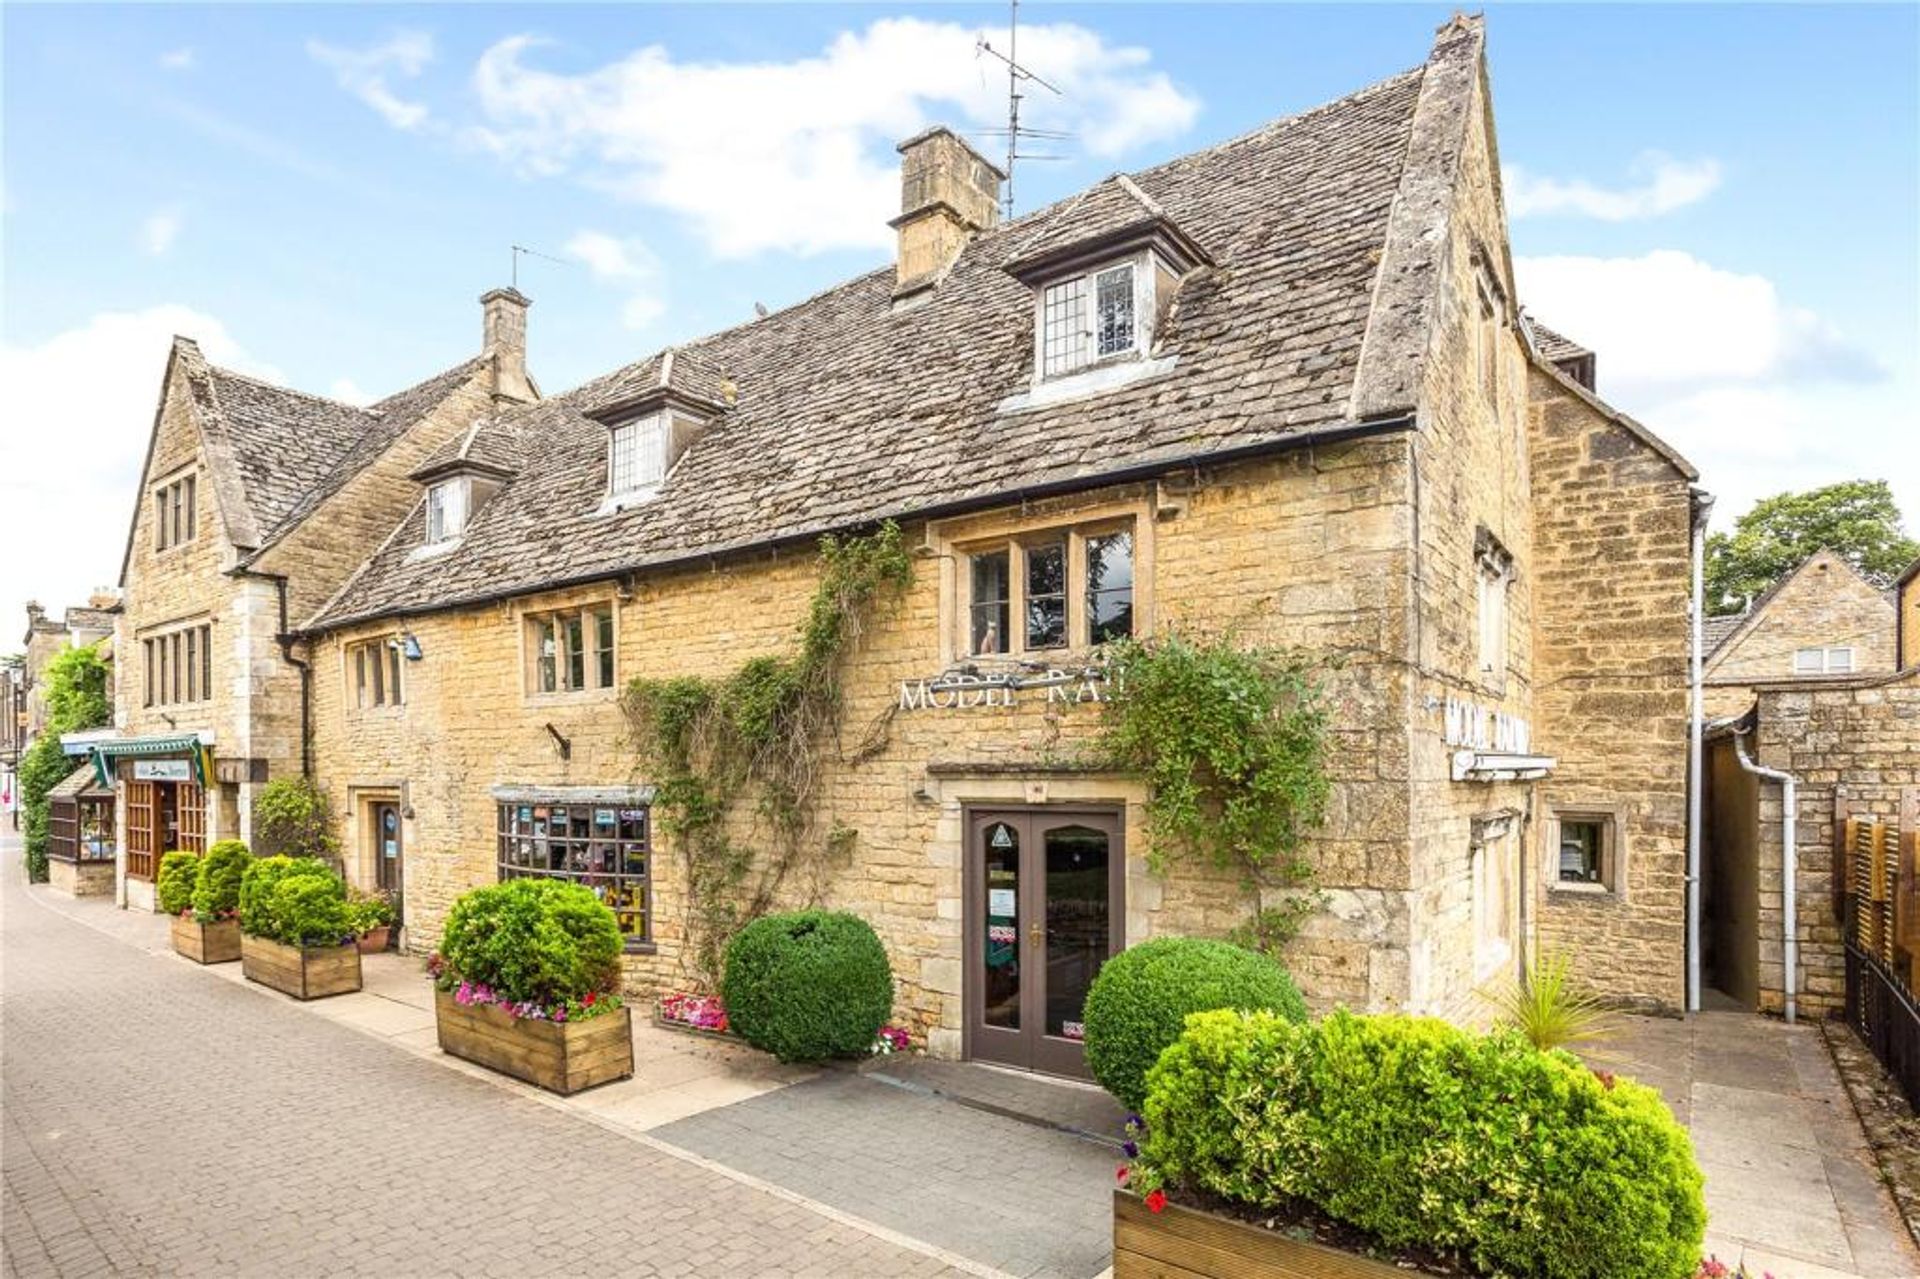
163, 770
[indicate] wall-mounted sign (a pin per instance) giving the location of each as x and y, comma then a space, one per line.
970, 687
1475, 727
163, 770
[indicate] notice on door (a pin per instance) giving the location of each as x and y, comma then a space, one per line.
1000, 902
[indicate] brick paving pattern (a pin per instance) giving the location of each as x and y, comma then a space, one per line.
1024, 1199
162, 1122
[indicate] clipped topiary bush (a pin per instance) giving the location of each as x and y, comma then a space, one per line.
1140, 1000
260, 892
1511, 1160
539, 941
216, 889
311, 910
808, 985
173, 886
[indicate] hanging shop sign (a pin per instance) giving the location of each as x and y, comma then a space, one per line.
971, 687
163, 770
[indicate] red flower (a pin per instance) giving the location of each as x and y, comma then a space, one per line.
1156, 1201
1121, 1174
589, 999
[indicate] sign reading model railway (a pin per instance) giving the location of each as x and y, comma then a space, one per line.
968, 688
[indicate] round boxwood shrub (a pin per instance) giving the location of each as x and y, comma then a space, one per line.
1140, 1000
808, 985
1512, 1160
173, 887
543, 941
216, 889
260, 891
311, 910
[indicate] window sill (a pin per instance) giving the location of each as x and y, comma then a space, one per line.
377, 712
618, 502
1575, 889
1099, 379
572, 697
434, 550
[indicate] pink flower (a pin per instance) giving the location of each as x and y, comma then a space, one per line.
1122, 1173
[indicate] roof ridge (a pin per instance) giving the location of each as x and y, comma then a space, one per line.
289, 390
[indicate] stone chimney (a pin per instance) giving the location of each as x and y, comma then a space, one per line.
504, 338
948, 191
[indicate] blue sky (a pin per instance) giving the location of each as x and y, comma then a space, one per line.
1724, 200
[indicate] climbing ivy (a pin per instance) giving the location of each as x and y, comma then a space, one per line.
760, 731
1232, 742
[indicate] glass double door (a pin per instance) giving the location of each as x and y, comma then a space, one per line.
1044, 911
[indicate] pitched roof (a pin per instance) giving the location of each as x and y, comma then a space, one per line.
1553, 346
849, 410
1742, 622
1715, 630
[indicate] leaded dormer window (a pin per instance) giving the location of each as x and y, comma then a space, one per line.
637, 455
447, 505
1088, 318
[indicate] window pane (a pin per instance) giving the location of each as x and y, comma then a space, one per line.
190, 505
620, 475
176, 645
1109, 587
147, 648
1113, 311
604, 849
360, 677
160, 520
1046, 595
1064, 315
193, 665
1839, 659
1808, 661
206, 661
988, 624
393, 676
603, 644
576, 652
650, 452
545, 656
379, 675
1000, 991
1580, 849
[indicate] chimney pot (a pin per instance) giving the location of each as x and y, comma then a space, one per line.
504, 337
948, 192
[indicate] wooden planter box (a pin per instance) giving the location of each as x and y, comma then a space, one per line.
1183, 1243
305, 972
216, 943
562, 1057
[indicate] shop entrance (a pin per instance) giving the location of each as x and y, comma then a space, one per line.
388, 864
163, 817
1044, 909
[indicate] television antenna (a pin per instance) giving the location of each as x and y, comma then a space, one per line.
520, 249
1017, 76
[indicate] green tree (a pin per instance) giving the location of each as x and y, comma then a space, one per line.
76, 700
1858, 520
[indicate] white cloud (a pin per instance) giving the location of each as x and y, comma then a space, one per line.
177, 59
347, 391
159, 231
1663, 185
1763, 396
364, 73
99, 384
628, 264
799, 155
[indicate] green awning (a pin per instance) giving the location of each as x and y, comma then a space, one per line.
177, 744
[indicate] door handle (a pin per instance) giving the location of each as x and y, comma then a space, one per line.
1036, 935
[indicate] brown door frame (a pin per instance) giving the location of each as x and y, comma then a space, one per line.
377, 810
1028, 1048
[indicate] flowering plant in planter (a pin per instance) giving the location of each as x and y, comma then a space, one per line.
890, 1040
537, 948
702, 1012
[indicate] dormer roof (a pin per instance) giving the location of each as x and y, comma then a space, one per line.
674, 377
1109, 218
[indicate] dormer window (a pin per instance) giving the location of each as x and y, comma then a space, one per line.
1091, 317
637, 455
447, 510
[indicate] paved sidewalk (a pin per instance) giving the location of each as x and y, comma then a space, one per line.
1792, 1188
162, 1120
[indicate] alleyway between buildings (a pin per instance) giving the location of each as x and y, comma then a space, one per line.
163, 1118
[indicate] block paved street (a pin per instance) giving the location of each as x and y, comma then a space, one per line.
161, 1121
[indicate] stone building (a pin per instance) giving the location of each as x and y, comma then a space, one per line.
1281, 386
23, 691
255, 504
1906, 593
1821, 619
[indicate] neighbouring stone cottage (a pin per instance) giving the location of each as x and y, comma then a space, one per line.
1823, 618
255, 503
1282, 385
